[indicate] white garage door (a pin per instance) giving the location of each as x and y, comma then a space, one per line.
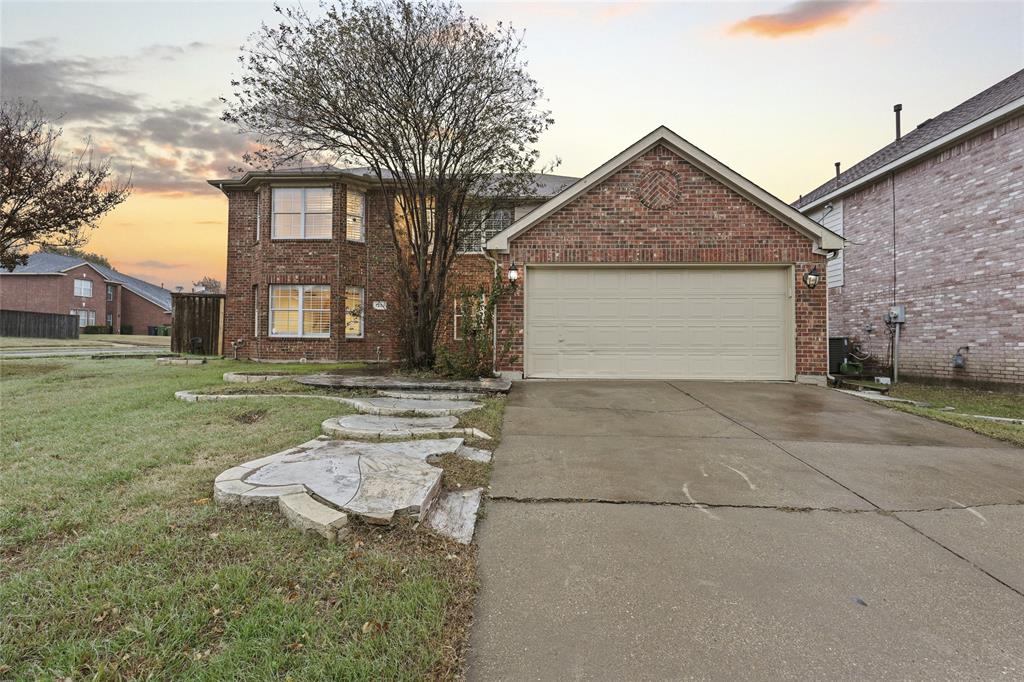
639, 322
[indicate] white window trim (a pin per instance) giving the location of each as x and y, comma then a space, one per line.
302, 216
90, 317
302, 296
362, 218
481, 221
257, 193
83, 281
362, 313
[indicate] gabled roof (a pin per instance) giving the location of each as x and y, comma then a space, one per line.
44, 263
1002, 100
823, 237
544, 184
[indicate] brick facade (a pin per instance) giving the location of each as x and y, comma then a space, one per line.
959, 270
55, 293
708, 224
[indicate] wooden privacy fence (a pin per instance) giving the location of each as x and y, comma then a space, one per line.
197, 324
38, 325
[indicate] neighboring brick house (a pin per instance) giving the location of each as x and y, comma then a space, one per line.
935, 222
98, 295
663, 262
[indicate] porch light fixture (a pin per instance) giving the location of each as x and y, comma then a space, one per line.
513, 274
812, 278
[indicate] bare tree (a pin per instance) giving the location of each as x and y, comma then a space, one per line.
46, 198
438, 105
207, 285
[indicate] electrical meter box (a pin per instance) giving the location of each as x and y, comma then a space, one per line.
897, 314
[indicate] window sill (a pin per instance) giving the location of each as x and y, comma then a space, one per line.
301, 239
355, 338
297, 337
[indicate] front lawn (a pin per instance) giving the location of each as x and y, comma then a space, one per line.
969, 401
114, 562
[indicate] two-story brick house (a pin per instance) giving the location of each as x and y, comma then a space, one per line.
935, 222
96, 294
662, 262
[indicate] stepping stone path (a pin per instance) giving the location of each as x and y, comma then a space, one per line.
247, 378
378, 426
318, 484
385, 383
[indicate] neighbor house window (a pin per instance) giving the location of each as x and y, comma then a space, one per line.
110, 292
354, 313
110, 320
473, 306
83, 288
478, 228
355, 216
302, 213
255, 310
300, 310
257, 214
86, 318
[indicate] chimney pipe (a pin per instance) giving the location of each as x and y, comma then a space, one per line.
837, 174
898, 108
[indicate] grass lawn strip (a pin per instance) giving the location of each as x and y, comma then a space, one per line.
966, 402
115, 563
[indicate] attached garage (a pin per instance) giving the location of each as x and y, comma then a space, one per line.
659, 322
665, 263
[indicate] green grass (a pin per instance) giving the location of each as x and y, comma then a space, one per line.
965, 400
115, 564
85, 341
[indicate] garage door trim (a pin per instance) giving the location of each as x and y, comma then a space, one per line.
789, 322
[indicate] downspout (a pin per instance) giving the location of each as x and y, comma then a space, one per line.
494, 321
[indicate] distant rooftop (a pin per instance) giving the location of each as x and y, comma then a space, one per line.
43, 263
545, 185
999, 95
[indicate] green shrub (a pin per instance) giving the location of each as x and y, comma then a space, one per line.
96, 329
126, 329
472, 354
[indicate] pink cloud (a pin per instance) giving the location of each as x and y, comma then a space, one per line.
806, 16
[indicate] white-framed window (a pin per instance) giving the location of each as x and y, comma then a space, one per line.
110, 292
255, 310
354, 312
257, 193
301, 213
83, 288
478, 228
355, 216
110, 321
300, 310
475, 307
86, 318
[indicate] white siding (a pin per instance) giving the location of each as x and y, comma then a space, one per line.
833, 220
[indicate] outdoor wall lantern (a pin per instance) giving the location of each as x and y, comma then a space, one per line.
513, 274
812, 278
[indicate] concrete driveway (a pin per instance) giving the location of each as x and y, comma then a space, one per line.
698, 530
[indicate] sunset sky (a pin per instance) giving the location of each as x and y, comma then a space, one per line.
778, 91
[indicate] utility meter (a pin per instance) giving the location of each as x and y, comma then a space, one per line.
897, 314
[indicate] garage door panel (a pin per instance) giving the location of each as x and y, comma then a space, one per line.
707, 323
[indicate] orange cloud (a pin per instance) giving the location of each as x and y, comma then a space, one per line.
806, 16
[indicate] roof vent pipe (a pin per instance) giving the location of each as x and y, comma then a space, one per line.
898, 108
837, 174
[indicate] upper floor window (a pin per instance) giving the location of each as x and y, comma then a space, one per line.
478, 228
257, 214
301, 213
355, 216
83, 288
300, 310
110, 292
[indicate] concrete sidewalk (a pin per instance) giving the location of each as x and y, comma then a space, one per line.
685, 530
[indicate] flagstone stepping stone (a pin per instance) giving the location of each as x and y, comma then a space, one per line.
429, 408
247, 378
191, 397
474, 454
454, 514
380, 426
400, 383
431, 395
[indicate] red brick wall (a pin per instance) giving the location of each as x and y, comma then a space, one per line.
959, 267
335, 262
708, 224
140, 313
